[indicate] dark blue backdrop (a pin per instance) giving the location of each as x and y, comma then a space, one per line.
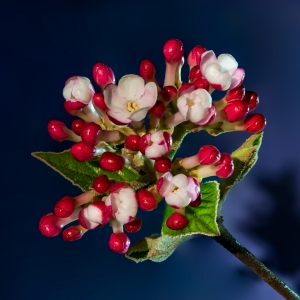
45, 42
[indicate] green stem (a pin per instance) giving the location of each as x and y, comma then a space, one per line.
245, 256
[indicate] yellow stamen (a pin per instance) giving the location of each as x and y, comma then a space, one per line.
132, 106
189, 102
175, 191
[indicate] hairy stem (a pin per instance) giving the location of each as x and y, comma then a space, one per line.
245, 256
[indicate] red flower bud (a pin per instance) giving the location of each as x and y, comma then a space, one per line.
57, 130
202, 83
49, 225
90, 133
236, 110
103, 75
255, 123
208, 155
98, 101
64, 207
177, 221
235, 94
132, 142
163, 164
119, 242
186, 86
158, 110
117, 186
194, 56
168, 93
72, 233
133, 226
82, 152
225, 166
144, 142
196, 202
252, 99
77, 126
147, 70
195, 74
111, 162
101, 184
173, 50
146, 200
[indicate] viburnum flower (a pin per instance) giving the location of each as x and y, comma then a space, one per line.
131, 99
222, 73
178, 190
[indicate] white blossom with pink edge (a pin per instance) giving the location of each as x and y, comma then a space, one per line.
131, 99
123, 204
222, 73
78, 89
178, 190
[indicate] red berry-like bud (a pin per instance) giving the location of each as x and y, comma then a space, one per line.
255, 123
236, 110
146, 200
119, 242
252, 99
147, 70
195, 74
169, 93
132, 142
144, 142
72, 233
103, 75
133, 226
208, 155
163, 164
225, 166
235, 94
49, 225
202, 83
90, 133
117, 186
158, 110
173, 50
57, 130
64, 207
177, 221
197, 202
194, 56
75, 105
111, 162
168, 140
101, 184
77, 126
82, 152
98, 100
186, 86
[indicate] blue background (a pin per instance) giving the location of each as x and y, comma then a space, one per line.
45, 42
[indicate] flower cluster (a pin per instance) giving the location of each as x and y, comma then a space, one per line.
134, 120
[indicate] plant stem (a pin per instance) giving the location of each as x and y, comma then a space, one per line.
245, 256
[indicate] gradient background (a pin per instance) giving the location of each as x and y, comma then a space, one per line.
43, 43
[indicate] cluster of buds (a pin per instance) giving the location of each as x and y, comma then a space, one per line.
136, 117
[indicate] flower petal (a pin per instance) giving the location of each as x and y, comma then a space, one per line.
214, 73
157, 137
155, 151
228, 62
237, 78
113, 100
94, 214
180, 199
182, 105
67, 91
81, 91
207, 58
149, 96
127, 197
122, 117
139, 114
180, 180
131, 87
167, 186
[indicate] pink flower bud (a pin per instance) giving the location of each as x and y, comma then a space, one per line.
158, 110
101, 184
208, 155
90, 133
147, 70
96, 213
57, 130
202, 83
98, 100
133, 226
111, 162
119, 242
173, 50
163, 165
225, 166
85, 222
195, 74
194, 56
82, 152
186, 86
255, 123
168, 93
132, 142
252, 99
77, 126
103, 75
236, 94
177, 221
117, 186
236, 110
64, 207
73, 233
146, 200
197, 202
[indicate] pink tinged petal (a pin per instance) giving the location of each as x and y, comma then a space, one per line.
237, 78
149, 97
228, 62
196, 113
94, 214
67, 91
139, 114
89, 223
193, 188
209, 117
122, 117
215, 76
113, 100
81, 91
180, 199
127, 197
207, 58
155, 151
167, 186
180, 181
131, 87
157, 137
183, 106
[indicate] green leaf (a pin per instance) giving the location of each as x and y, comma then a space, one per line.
203, 218
82, 174
244, 158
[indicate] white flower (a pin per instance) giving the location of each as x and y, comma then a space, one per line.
196, 106
131, 99
222, 73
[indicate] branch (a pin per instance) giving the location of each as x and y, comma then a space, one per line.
233, 246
